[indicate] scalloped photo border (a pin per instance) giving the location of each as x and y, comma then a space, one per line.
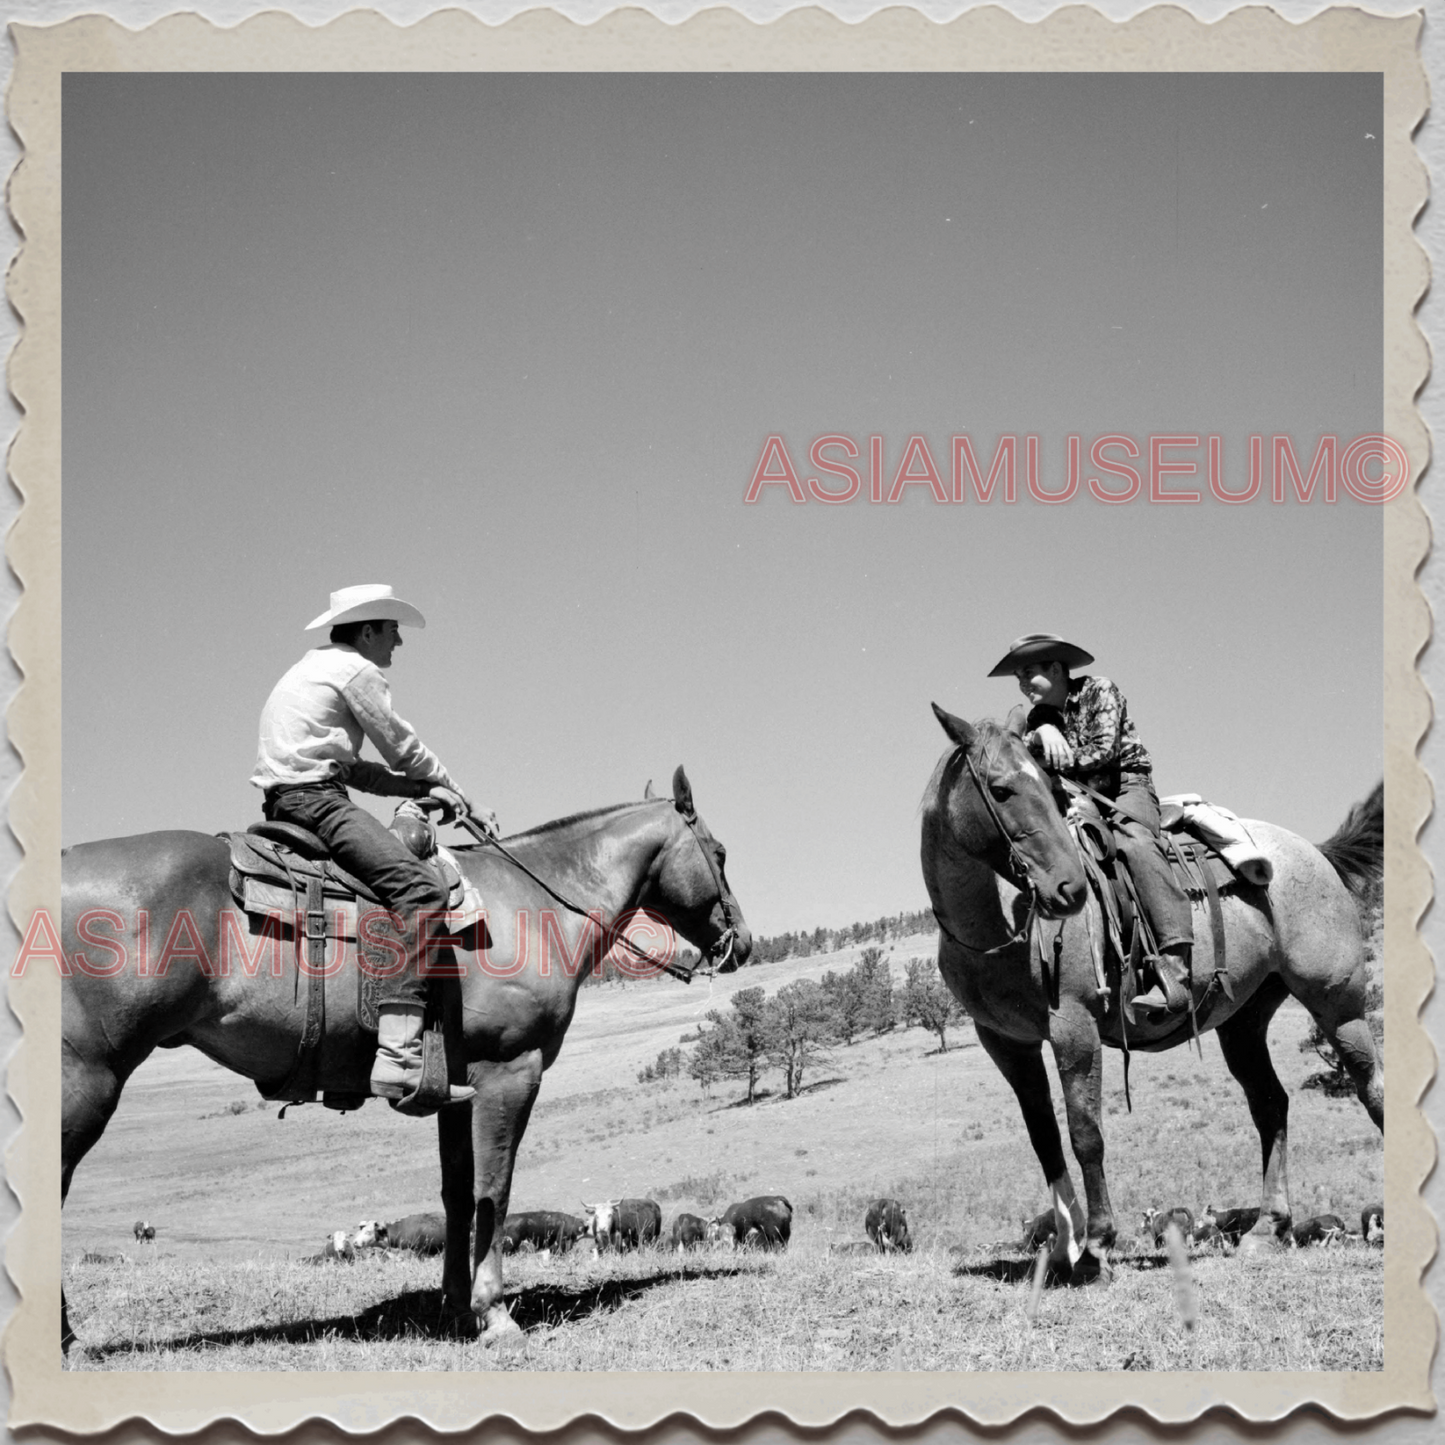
1164, 39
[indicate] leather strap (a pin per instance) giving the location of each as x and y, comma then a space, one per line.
300, 1086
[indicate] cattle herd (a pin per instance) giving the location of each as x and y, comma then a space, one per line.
1224, 1228
766, 1222
619, 1225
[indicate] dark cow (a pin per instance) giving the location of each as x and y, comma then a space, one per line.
1372, 1224
1207, 1235
1320, 1229
1042, 1229
623, 1223
144, 1231
1233, 1224
689, 1231
1156, 1221
420, 1233
541, 1229
886, 1224
765, 1221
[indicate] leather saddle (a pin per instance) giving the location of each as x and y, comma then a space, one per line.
1198, 869
283, 872
273, 865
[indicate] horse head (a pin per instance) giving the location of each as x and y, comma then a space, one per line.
992, 801
688, 883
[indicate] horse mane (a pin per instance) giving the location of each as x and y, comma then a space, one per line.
557, 824
1356, 850
991, 735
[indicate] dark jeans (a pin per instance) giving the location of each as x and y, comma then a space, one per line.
1163, 900
374, 854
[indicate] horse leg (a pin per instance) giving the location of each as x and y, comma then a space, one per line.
505, 1094
1244, 1040
1080, 1059
454, 1137
90, 1091
1022, 1064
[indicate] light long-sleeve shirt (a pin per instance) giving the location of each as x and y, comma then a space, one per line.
316, 718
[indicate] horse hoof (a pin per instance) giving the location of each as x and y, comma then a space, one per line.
501, 1329
1258, 1246
1092, 1269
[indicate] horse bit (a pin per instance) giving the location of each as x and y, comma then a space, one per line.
718, 953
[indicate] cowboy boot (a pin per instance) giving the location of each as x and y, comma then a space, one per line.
397, 1072
1171, 994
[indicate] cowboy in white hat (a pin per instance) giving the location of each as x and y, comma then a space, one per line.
1081, 728
312, 729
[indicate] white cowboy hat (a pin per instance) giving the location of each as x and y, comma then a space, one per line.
370, 602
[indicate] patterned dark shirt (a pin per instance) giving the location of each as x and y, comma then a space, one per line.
1095, 722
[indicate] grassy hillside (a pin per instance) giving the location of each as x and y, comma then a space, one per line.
886, 1116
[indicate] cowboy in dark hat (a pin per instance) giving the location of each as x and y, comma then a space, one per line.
1080, 727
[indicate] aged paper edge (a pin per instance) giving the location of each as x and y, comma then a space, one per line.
1159, 40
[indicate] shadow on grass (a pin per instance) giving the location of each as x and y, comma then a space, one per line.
1019, 1271
423, 1313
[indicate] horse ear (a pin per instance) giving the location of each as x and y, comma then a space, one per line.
647, 794
682, 793
955, 727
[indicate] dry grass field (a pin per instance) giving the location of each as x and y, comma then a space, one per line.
239, 1197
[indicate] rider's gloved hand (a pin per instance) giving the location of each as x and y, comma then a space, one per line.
486, 819
1053, 747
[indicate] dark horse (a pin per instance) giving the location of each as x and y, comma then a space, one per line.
984, 857
510, 1007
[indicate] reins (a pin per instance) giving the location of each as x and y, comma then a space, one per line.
1017, 864
717, 954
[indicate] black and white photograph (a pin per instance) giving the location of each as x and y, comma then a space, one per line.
728, 719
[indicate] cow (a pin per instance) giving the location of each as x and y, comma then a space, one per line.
886, 1224
765, 1221
1156, 1221
370, 1234
688, 1232
1372, 1224
1233, 1224
541, 1229
420, 1233
623, 1223
1208, 1235
338, 1250
1042, 1229
1319, 1229
144, 1231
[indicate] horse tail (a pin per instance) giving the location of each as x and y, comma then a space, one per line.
1356, 851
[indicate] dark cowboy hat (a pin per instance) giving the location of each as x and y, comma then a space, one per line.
1040, 647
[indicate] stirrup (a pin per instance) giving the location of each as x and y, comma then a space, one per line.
432, 1090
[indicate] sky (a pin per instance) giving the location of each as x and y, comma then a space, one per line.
514, 344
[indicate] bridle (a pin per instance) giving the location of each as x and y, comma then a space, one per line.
1018, 867
718, 953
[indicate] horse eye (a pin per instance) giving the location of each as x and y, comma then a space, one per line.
1000, 794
